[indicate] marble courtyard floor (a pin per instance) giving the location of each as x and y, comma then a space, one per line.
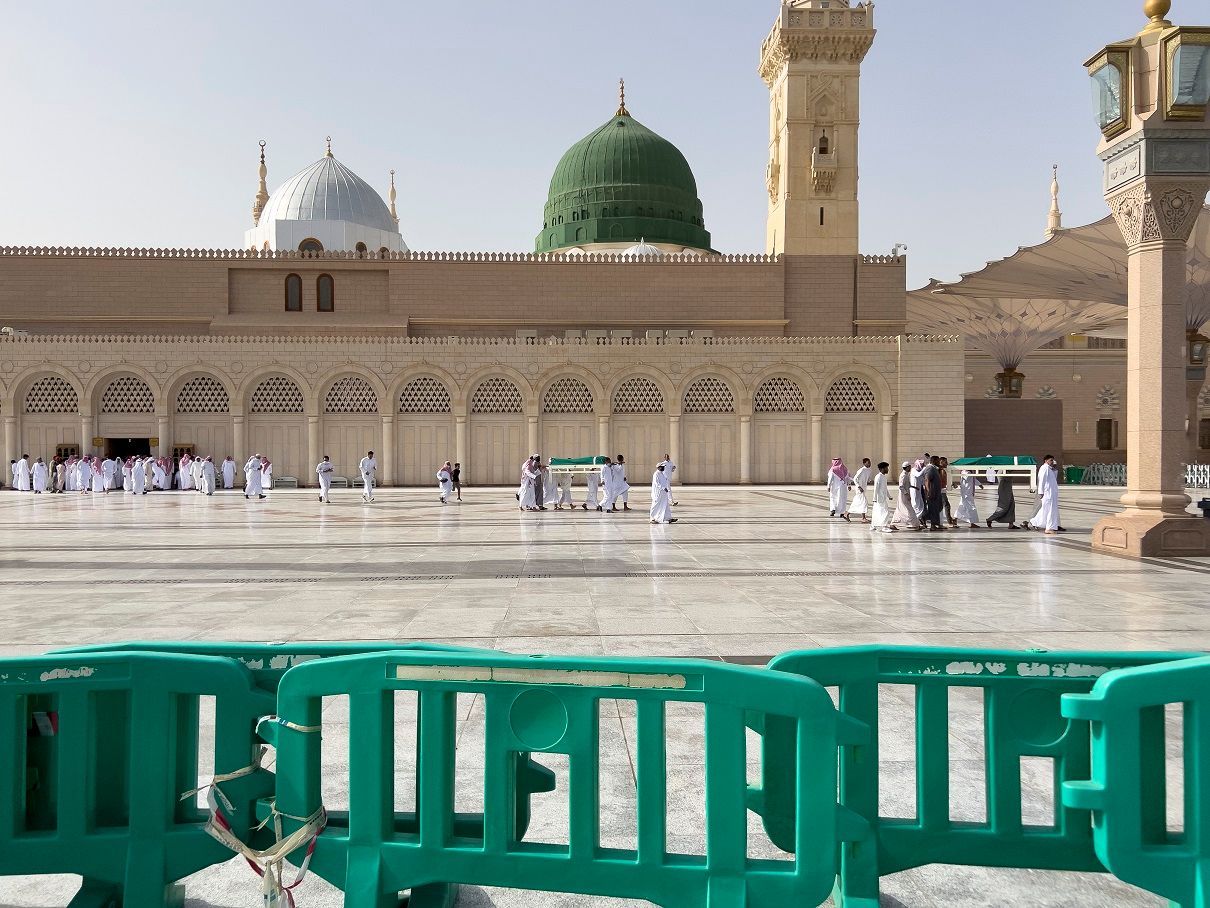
747, 573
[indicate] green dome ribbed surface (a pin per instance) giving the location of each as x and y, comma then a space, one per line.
620, 184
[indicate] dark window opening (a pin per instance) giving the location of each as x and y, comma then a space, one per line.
325, 293
293, 293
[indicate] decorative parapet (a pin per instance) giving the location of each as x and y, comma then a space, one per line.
883, 259
836, 34
342, 340
471, 257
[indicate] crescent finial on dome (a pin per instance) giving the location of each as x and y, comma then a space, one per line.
622, 111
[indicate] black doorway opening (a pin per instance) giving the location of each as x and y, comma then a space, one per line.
127, 447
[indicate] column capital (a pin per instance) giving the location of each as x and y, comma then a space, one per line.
1158, 210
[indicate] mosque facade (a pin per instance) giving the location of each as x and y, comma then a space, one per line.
623, 331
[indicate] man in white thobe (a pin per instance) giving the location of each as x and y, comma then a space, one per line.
444, 481
195, 473
21, 475
207, 477
661, 497
882, 501
860, 480
39, 476
592, 485
670, 472
368, 468
138, 477
618, 488
229, 472
107, 467
1047, 518
185, 475
252, 477
563, 483
324, 470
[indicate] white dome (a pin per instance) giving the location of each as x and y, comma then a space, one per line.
643, 248
328, 191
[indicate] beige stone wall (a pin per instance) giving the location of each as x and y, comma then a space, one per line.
735, 368
932, 414
438, 295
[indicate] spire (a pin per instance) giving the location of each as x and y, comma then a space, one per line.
391, 196
622, 111
262, 191
1055, 223
328, 153
1155, 11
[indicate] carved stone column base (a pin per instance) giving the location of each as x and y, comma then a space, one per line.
1152, 534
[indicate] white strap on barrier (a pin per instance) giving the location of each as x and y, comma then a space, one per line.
286, 723
268, 863
227, 777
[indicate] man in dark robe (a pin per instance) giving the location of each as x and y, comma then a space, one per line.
1006, 505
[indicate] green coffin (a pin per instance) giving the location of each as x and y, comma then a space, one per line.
577, 461
989, 461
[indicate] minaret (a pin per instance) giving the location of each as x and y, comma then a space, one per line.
1055, 223
811, 62
391, 195
262, 191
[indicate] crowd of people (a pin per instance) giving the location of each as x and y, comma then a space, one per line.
605, 487
923, 502
137, 475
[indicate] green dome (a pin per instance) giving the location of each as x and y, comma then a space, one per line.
622, 183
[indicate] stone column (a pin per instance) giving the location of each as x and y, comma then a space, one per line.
238, 442
163, 428
745, 450
10, 443
533, 435
603, 435
674, 443
1155, 216
388, 449
314, 454
888, 439
815, 467
460, 440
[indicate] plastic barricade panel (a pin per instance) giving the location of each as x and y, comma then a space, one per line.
95, 752
1126, 789
549, 705
1021, 718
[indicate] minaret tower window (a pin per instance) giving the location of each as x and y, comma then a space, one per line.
293, 293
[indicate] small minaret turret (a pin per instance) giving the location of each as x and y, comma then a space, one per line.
391, 196
1055, 223
262, 191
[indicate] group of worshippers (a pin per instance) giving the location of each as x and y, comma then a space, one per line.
923, 502
540, 488
137, 474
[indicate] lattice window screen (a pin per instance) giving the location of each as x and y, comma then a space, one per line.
424, 395
850, 395
567, 395
638, 395
780, 395
497, 395
51, 395
351, 394
277, 394
202, 395
127, 394
709, 395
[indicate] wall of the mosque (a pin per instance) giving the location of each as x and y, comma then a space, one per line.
738, 410
1014, 427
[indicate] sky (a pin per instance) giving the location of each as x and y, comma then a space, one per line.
136, 123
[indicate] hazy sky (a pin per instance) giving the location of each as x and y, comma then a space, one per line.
135, 124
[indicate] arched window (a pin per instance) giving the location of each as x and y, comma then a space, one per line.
311, 245
293, 293
581, 235
383, 252
361, 249
823, 144
325, 293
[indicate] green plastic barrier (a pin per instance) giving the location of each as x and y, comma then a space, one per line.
549, 705
1022, 718
1126, 790
95, 752
268, 663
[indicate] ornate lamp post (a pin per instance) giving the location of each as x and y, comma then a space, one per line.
1151, 93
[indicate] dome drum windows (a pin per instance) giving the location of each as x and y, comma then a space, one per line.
325, 293
293, 293
311, 246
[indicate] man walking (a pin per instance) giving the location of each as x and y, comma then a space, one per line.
324, 470
368, 468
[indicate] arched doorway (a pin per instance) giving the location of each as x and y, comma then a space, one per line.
498, 433
126, 417
850, 424
425, 435
780, 432
351, 424
639, 428
50, 419
277, 427
201, 417
568, 426
709, 451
